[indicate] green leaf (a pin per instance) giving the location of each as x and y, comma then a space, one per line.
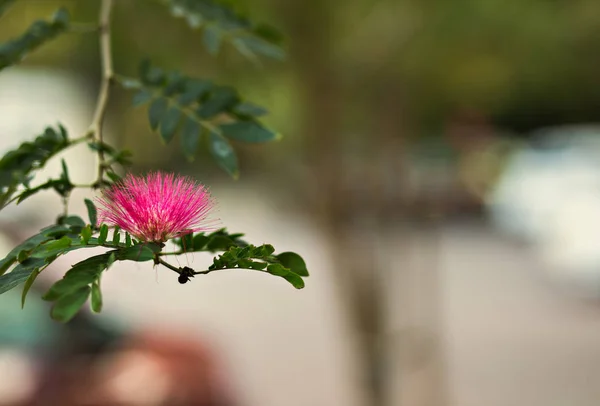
14, 50
245, 51
17, 165
195, 90
122, 157
93, 265
220, 17
259, 258
138, 253
67, 306
97, 146
92, 212
56, 231
262, 47
199, 242
103, 234
259, 266
111, 260
175, 83
127, 240
190, 138
21, 251
70, 283
19, 274
96, 297
169, 124
224, 155
220, 100
52, 248
294, 262
291, 277
86, 234
113, 176
28, 283
65, 170
248, 131
219, 243
157, 110
212, 39
14, 278
249, 110
62, 186
74, 221
22, 256
116, 237
142, 97
189, 105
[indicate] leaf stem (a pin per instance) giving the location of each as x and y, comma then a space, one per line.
178, 270
107, 78
166, 264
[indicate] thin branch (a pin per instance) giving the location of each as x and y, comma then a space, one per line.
95, 130
179, 270
171, 267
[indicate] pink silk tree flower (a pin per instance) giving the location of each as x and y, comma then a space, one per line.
156, 207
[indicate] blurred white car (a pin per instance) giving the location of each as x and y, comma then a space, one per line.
549, 196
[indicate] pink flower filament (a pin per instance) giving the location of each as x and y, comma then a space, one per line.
156, 207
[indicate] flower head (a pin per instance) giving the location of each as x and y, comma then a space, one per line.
156, 207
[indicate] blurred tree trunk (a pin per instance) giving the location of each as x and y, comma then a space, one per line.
357, 199
310, 23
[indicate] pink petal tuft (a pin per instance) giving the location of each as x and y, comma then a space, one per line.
156, 207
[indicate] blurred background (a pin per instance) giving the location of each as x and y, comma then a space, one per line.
439, 172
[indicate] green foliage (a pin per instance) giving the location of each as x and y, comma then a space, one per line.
239, 254
92, 212
82, 280
196, 108
219, 240
260, 259
294, 262
122, 157
140, 252
62, 186
23, 250
68, 305
96, 297
221, 23
103, 234
68, 293
14, 50
17, 166
19, 274
223, 153
40, 250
